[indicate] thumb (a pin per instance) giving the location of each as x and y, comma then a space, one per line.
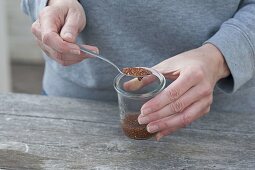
74, 24
168, 68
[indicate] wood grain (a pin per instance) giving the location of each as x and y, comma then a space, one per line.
39, 132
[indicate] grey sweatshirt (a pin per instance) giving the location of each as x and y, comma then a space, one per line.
144, 33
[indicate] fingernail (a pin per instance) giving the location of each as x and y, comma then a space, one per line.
96, 51
158, 136
76, 52
146, 111
143, 120
68, 35
152, 128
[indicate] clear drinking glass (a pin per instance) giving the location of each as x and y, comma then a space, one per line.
132, 94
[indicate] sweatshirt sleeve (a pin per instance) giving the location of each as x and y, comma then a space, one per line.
33, 7
236, 41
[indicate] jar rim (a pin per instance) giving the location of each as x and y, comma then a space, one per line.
149, 94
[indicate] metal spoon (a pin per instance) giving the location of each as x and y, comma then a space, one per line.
100, 57
114, 65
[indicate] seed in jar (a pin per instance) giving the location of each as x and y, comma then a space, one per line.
133, 129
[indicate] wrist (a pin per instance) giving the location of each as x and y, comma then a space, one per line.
217, 57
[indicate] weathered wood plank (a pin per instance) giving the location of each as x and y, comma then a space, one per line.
60, 133
59, 108
94, 111
75, 144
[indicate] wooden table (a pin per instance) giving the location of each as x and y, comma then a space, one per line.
38, 132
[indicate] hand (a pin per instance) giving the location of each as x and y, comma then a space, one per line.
56, 30
190, 95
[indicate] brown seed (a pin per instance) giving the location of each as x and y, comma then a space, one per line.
133, 129
136, 71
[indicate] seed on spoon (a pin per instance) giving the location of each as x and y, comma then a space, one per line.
136, 72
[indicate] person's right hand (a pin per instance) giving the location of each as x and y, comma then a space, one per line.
56, 30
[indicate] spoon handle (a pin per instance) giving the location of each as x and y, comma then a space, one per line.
98, 56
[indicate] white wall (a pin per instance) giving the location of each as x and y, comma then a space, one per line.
16, 41
5, 84
22, 45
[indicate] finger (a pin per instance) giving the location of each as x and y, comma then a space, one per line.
36, 30
187, 79
40, 44
58, 57
91, 48
51, 24
50, 52
82, 56
51, 20
65, 59
73, 25
136, 84
53, 40
68, 63
191, 96
168, 131
69, 57
163, 133
183, 119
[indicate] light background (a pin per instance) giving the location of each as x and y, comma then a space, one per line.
22, 65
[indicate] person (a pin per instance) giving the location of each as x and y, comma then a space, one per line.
206, 47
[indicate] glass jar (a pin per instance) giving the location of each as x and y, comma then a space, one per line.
132, 94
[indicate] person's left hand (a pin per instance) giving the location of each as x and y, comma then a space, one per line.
190, 95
